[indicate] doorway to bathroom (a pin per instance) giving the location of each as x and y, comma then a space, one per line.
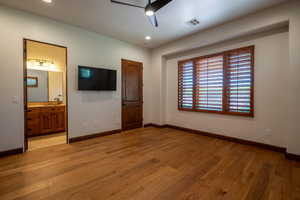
45, 95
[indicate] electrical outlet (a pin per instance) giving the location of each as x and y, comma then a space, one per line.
268, 131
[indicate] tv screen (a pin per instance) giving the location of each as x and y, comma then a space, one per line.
90, 78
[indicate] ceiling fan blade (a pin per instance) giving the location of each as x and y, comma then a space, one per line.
158, 4
153, 20
125, 4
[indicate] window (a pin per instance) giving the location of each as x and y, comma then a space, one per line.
220, 83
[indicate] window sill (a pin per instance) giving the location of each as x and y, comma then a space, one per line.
218, 112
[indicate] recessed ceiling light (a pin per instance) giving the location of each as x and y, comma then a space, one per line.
47, 1
148, 38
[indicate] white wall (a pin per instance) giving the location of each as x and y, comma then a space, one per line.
89, 112
266, 19
250, 24
271, 103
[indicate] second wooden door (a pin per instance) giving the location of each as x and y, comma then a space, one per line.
132, 94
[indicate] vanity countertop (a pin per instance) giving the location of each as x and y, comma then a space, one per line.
45, 105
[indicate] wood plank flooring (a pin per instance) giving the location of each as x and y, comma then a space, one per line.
39, 142
150, 163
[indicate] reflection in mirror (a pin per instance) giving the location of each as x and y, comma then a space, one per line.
55, 86
38, 93
44, 86
32, 81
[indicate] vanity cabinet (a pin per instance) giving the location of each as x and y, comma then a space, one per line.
45, 120
58, 119
33, 121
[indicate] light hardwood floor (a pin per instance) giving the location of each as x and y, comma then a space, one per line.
39, 142
147, 164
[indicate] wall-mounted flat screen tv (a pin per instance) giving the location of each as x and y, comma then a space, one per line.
90, 78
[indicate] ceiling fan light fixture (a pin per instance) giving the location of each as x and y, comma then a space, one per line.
149, 12
47, 1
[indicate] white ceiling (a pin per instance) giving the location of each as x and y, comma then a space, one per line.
130, 24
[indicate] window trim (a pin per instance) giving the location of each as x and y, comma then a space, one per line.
225, 67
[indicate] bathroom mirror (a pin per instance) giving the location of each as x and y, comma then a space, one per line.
44, 86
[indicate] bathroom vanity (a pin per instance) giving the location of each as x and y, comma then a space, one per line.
44, 119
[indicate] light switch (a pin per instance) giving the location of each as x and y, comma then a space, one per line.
15, 100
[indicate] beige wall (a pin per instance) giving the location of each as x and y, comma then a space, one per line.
271, 96
294, 79
261, 21
89, 112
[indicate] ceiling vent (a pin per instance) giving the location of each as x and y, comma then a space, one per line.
193, 22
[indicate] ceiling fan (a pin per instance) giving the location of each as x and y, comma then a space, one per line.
150, 9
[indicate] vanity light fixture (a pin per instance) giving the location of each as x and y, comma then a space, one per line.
43, 65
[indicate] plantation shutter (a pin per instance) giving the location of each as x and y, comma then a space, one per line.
185, 85
209, 83
240, 81
220, 83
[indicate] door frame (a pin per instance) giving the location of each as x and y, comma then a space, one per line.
141, 86
25, 147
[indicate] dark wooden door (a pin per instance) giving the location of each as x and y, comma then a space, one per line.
132, 94
25, 92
